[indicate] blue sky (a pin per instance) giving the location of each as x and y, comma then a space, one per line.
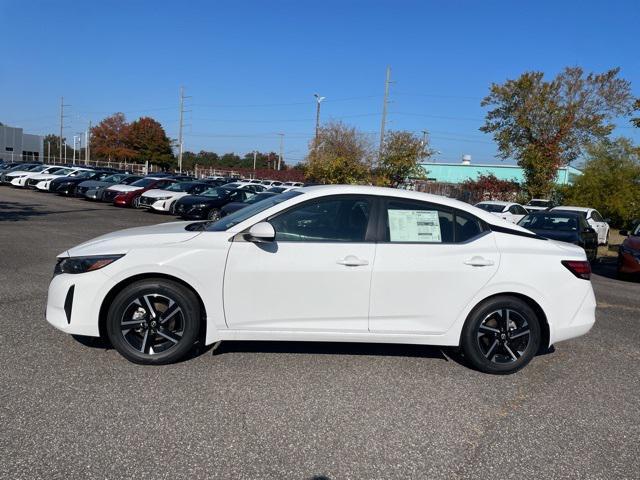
251, 68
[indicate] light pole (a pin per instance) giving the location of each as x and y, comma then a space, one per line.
319, 100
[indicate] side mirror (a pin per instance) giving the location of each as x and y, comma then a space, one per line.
624, 233
261, 233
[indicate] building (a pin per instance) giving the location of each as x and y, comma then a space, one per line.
459, 172
15, 145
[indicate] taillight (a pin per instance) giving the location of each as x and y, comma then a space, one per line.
580, 268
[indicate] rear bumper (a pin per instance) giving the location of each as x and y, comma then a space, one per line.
581, 322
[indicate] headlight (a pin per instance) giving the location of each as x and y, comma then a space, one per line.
161, 198
84, 264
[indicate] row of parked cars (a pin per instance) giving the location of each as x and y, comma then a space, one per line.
184, 196
578, 225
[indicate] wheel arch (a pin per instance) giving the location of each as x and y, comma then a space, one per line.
535, 306
118, 287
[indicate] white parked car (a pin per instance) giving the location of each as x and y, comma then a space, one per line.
538, 205
509, 211
355, 264
18, 178
163, 200
599, 224
42, 180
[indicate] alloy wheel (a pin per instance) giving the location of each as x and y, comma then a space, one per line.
152, 324
503, 336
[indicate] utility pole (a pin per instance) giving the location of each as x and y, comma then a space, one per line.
384, 112
86, 144
319, 100
75, 140
48, 152
254, 162
62, 117
180, 141
281, 156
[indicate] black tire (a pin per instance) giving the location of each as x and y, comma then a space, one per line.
492, 345
214, 214
136, 202
166, 340
172, 208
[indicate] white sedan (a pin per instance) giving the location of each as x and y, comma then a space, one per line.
42, 180
19, 178
329, 263
164, 199
509, 211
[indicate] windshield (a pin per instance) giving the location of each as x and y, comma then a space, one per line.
83, 174
113, 178
539, 203
565, 223
61, 171
225, 223
217, 192
143, 182
179, 187
259, 197
636, 232
491, 207
37, 168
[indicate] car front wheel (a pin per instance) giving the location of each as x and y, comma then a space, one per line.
154, 321
501, 336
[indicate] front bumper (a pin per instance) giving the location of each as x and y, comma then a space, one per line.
43, 185
73, 302
628, 262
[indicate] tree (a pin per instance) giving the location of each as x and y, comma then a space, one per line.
636, 106
490, 187
148, 140
341, 155
402, 153
545, 124
110, 138
610, 182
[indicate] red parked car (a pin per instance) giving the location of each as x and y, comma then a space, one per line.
629, 253
126, 195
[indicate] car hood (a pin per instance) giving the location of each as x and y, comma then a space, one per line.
159, 193
196, 199
124, 188
16, 173
45, 176
632, 242
122, 241
94, 183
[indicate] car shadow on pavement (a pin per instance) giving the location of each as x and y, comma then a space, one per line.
14, 211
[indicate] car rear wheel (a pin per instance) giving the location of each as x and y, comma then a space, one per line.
501, 336
154, 321
214, 214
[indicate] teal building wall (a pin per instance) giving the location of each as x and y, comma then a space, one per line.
459, 172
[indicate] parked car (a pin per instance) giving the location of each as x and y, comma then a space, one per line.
629, 253
126, 195
509, 211
15, 165
599, 224
207, 205
163, 200
17, 176
67, 185
280, 189
42, 180
569, 227
443, 273
538, 204
293, 184
235, 206
94, 189
252, 187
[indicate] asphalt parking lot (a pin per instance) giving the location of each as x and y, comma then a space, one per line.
254, 410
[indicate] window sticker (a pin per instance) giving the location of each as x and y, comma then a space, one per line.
414, 226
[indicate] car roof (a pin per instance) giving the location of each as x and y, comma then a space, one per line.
558, 213
495, 202
577, 209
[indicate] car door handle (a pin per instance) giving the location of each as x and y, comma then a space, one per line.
479, 262
353, 261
